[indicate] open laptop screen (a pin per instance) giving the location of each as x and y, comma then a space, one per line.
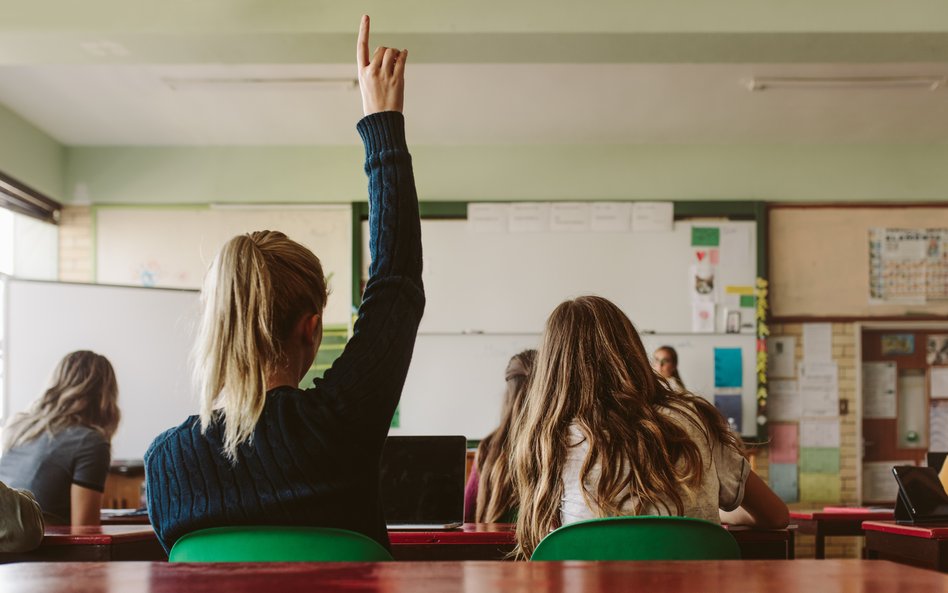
422, 480
922, 493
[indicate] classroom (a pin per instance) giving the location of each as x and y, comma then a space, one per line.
576, 267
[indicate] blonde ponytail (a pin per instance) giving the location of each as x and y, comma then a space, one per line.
244, 324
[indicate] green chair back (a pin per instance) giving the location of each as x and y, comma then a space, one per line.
639, 538
276, 544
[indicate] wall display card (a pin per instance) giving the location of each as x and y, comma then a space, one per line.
702, 317
878, 389
819, 432
939, 384
938, 426
908, 265
529, 217
878, 483
817, 342
484, 217
613, 217
736, 247
705, 236
569, 216
702, 279
819, 460
784, 442
936, 350
898, 344
781, 361
819, 390
819, 487
783, 400
728, 367
783, 481
732, 408
652, 217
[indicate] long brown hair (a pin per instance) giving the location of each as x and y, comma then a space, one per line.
593, 372
496, 495
83, 392
258, 287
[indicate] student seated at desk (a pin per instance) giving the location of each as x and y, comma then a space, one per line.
489, 496
60, 449
665, 363
601, 435
264, 451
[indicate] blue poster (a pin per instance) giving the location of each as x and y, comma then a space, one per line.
728, 367
783, 481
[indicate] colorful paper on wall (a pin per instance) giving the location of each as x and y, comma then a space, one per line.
702, 317
819, 460
819, 432
728, 367
783, 481
819, 389
783, 400
705, 236
784, 443
819, 487
748, 301
731, 407
487, 217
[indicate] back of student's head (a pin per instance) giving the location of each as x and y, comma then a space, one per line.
82, 392
256, 290
593, 373
496, 496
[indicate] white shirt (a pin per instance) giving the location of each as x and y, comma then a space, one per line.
721, 487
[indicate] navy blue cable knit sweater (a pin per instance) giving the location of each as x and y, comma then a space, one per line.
314, 456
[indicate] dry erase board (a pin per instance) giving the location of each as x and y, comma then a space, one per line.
489, 294
455, 384
172, 247
509, 282
145, 333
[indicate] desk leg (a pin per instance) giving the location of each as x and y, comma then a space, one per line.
820, 547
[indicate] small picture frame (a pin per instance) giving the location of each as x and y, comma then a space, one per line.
733, 322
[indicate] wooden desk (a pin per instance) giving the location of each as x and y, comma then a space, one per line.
834, 522
94, 544
802, 576
495, 541
911, 544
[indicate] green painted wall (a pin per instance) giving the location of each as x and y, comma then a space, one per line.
558, 172
30, 155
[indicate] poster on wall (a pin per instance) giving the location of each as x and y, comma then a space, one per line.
936, 351
908, 266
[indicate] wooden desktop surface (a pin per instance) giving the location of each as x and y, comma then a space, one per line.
835, 521
804, 576
918, 545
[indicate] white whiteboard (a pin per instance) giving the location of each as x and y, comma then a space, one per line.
510, 282
171, 247
145, 333
455, 384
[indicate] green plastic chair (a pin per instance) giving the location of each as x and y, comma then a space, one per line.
639, 538
276, 544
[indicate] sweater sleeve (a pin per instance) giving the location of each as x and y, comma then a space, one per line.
367, 378
21, 520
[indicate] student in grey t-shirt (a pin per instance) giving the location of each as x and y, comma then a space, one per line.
60, 449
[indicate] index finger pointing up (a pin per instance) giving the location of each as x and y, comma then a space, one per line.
362, 46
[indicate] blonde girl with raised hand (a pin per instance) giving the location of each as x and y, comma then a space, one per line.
60, 449
262, 450
602, 436
489, 496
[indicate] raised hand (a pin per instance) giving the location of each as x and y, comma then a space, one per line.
381, 79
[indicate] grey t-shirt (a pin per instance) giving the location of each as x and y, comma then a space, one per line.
48, 465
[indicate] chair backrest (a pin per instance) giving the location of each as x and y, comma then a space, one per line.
264, 543
639, 538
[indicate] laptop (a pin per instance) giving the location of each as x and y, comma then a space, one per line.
422, 482
922, 498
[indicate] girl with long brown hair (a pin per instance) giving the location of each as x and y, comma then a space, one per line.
602, 435
489, 496
60, 449
263, 450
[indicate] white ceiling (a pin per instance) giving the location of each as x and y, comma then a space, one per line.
479, 104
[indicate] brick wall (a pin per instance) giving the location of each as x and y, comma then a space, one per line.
844, 354
75, 244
